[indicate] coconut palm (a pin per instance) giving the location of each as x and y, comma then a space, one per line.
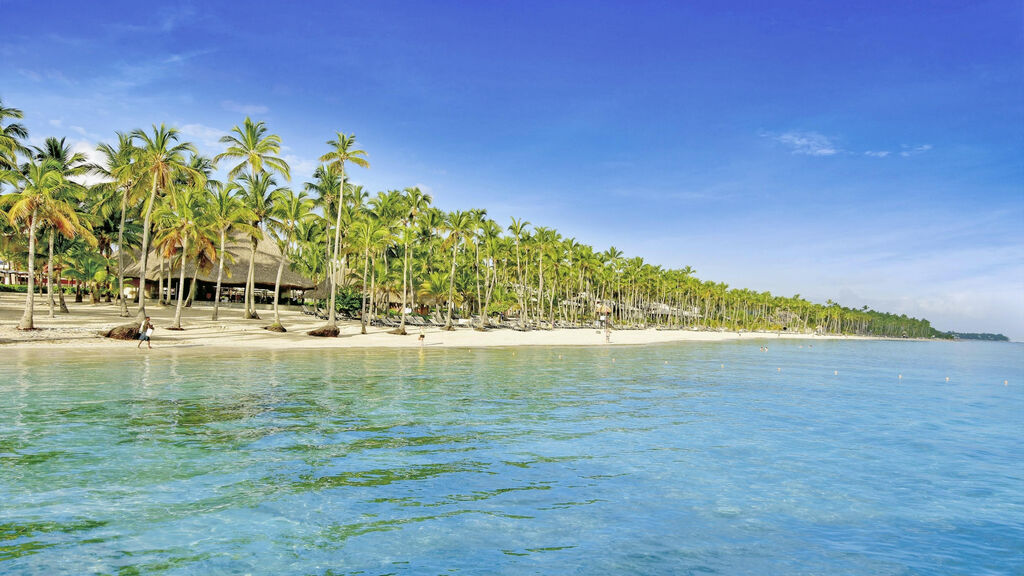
254, 149
343, 149
416, 201
258, 194
289, 211
37, 204
183, 218
368, 233
518, 230
458, 224
160, 157
72, 164
228, 214
120, 168
11, 137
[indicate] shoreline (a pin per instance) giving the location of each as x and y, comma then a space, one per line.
80, 329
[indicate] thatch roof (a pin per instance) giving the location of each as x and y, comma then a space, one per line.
267, 258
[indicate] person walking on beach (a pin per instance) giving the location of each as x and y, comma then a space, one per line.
607, 333
145, 331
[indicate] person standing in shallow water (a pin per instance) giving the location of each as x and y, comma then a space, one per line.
145, 331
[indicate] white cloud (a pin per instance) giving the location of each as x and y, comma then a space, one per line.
915, 150
56, 123
301, 168
88, 149
808, 143
247, 109
877, 153
205, 138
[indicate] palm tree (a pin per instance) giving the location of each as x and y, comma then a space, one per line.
458, 224
72, 164
11, 137
343, 150
368, 233
289, 211
253, 147
518, 229
182, 218
36, 204
258, 194
160, 158
415, 202
121, 169
228, 214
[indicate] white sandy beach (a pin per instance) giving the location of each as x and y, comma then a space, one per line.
80, 329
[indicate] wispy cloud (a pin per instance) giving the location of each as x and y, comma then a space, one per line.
877, 153
914, 150
808, 143
247, 109
207, 139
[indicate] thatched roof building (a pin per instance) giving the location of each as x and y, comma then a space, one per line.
267, 258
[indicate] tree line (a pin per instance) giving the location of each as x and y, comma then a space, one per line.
393, 250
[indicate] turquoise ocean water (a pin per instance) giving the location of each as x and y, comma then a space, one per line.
828, 457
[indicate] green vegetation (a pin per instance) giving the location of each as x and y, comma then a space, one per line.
379, 254
979, 336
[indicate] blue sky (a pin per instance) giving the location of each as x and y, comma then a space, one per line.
868, 152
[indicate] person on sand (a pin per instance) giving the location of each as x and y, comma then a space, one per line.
608, 333
422, 338
145, 331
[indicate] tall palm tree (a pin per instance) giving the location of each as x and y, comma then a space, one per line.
290, 210
458, 225
254, 148
416, 201
181, 219
72, 164
343, 149
120, 169
229, 214
160, 157
258, 194
37, 203
11, 137
518, 229
368, 233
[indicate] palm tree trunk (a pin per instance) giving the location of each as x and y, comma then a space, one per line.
146, 222
479, 299
332, 319
192, 286
220, 275
362, 308
181, 284
120, 256
26, 322
49, 276
522, 300
451, 288
63, 306
250, 284
405, 273
277, 291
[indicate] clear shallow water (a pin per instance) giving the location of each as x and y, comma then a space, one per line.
517, 461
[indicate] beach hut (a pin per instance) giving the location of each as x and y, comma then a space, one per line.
268, 256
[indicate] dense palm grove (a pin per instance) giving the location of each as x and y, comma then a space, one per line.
388, 251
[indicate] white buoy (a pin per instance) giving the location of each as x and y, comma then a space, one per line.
780, 369
900, 376
1006, 382
835, 372
947, 378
